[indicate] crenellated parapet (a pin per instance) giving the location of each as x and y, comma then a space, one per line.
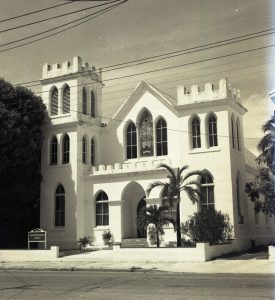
69, 67
118, 168
209, 93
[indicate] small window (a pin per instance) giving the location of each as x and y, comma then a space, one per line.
207, 192
102, 209
238, 136
53, 151
212, 130
92, 152
131, 141
92, 104
84, 159
54, 102
66, 99
60, 206
233, 132
66, 149
161, 137
196, 133
84, 101
146, 135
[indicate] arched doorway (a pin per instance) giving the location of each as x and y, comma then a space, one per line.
141, 204
133, 200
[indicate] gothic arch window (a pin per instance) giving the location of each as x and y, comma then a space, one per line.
131, 141
207, 191
146, 134
212, 131
84, 101
92, 104
54, 101
84, 150
102, 209
239, 202
92, 152
66, 149
238, 135
60, 206
233, 131
196, 133
161, 137
66, 99
53, 151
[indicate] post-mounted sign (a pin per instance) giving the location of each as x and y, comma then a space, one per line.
37, 235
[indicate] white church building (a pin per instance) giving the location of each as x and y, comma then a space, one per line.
95, 175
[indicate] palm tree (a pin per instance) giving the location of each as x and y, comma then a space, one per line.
267, 145
172, 189
154, 215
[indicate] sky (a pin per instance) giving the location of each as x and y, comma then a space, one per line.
143, 28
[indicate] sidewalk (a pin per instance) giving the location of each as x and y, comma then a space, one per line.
102, 260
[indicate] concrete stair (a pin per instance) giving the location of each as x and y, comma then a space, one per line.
134, 243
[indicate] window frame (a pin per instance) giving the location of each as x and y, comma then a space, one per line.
54, 104
206, 187
66, 103
84, 150
131, 136
102, 209
53, 154
196, 133
66, 149
84, 101
59, 213
212, 131
161, 141
93, 152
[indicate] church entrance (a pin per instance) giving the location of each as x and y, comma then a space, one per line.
133, 200
141, 204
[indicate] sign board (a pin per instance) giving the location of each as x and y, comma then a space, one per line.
37, 235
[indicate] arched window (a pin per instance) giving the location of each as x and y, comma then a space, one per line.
92, 152
102, 209
66, 99
54, 102
161, 137
233, 132
131, 140
146, 134
53, 151
238, 136
239, 204
84, 159
66, 149
212, 131
207, 192
92, 104
60, 206
84, 101
196, 133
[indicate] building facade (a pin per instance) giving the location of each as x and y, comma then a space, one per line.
95, 175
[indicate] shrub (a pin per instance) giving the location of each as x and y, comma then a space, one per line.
208, 226
84, 242
107, 236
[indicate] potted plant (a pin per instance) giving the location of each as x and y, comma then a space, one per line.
84, 242
107, 236
152, 234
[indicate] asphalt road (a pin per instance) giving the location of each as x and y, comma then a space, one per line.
133, 285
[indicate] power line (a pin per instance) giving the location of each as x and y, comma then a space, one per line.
34, 12
97, 14
55, 17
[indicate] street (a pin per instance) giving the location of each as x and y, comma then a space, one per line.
133, 285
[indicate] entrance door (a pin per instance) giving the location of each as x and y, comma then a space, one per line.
141, 204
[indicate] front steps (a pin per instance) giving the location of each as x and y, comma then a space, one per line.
134, 243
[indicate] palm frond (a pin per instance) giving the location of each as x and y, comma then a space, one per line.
183, 169
154, 185
169, 169
192, 193
192, 173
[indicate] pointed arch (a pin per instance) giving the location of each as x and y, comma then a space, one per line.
66, 149
84, 101
207, 191
59, 206
131, 141
161, 137
93, 104
102, 209
212, 130
146, 136
196, 132
54, 101
66, 99
53, 151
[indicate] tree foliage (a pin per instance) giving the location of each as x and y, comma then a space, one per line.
208, 226
154, 215
171, 190
21, 116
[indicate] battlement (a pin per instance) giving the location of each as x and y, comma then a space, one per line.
192, 95
118, 168
67, 67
